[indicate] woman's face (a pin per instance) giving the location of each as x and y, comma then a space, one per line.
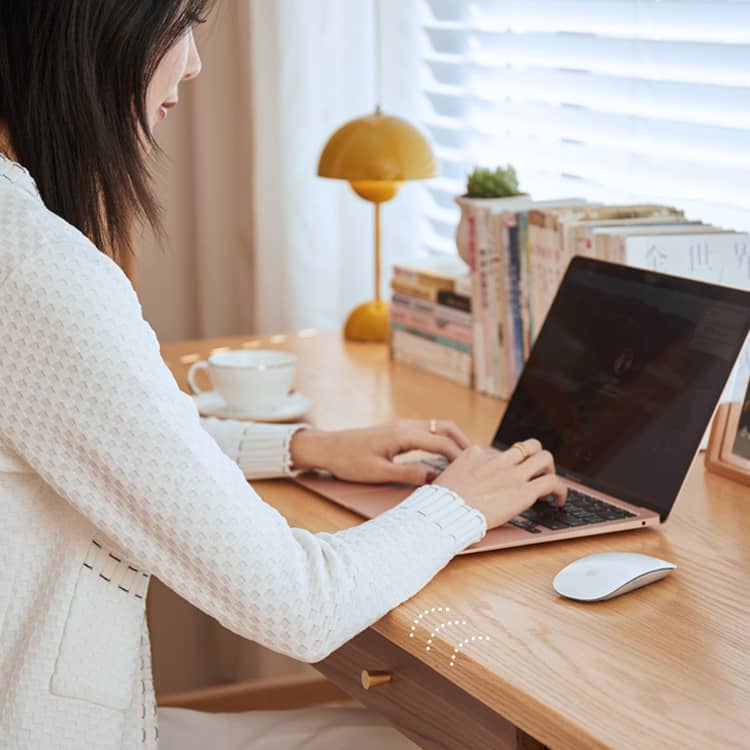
181, 63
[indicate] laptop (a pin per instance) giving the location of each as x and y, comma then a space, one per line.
620, 386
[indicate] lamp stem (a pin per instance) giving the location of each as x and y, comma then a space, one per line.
378, 53
377, 252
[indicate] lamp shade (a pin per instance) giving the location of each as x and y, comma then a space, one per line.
377, 148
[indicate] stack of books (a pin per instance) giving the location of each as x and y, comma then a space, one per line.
519, 251
430, 317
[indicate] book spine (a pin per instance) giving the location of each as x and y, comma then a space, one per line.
551, 280
409, 289
616, 249
486, 301
427, 355
454, 300
705, 257
463, 286
514, 306
438, 311
523, 244
600, 246
567, 250
462, 378
739, 266
410, 319
583, 243
536, 238
477, 296
423, 278
496, 331
542, 268
435, 338
510, 302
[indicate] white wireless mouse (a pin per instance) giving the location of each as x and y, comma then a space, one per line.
609, 574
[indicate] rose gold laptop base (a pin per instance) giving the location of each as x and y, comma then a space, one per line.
370, 500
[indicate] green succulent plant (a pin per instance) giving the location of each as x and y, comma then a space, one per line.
486, 183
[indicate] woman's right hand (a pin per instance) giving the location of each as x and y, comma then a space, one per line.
502, 484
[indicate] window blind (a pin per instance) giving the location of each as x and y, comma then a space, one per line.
608, 100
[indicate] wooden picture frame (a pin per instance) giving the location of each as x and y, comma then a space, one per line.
740, 447
728, 451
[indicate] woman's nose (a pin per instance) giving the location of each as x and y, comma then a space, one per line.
194, 65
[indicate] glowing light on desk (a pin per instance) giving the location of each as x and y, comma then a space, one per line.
420, 620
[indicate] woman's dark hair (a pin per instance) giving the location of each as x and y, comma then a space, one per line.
73, 81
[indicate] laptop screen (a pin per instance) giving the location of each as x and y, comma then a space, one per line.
624, 377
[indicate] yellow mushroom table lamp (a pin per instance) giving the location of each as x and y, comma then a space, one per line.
375, 154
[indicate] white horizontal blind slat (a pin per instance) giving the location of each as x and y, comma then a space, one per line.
624, 100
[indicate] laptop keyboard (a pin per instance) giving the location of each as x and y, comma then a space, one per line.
580, 509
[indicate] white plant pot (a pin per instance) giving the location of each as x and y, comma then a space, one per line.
462, 230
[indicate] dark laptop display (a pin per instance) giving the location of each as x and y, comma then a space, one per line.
624, 377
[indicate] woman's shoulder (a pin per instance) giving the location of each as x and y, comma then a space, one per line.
29, 229
27, 225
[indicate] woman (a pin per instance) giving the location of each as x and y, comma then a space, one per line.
107, 473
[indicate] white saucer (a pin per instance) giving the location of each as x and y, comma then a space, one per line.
293, 406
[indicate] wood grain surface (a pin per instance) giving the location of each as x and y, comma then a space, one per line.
667, 666
426, 707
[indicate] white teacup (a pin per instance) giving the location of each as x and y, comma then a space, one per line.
248, 379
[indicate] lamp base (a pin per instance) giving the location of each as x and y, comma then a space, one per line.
368, 322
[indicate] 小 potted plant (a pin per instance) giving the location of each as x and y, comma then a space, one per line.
485, 185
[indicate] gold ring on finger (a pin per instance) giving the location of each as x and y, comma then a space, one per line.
524, 451
433, 426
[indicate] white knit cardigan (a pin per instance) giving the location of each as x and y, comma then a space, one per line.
108, 475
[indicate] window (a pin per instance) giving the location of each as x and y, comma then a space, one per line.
608, 100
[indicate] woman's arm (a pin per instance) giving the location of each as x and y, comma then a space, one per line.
262, 451
91, 406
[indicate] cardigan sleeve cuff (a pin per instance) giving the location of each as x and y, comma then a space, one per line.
461, 524
262, 451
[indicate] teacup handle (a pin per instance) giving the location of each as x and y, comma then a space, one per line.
201, 365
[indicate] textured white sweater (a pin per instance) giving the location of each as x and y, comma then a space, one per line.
108, 475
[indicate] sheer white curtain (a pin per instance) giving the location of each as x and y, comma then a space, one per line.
314, 67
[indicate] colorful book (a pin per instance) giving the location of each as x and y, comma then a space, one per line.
607, 239
437, 338
510, 242
711, 257
434, 309
470, 214
428, 355
413, 289
432, 272
455, 300
552, 241
407, 319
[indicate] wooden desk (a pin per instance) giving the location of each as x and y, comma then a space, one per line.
667, 666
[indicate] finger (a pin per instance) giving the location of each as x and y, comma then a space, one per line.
514, 455
549, 484
523, 450
453, 431
538, 465
415, 473
432, 443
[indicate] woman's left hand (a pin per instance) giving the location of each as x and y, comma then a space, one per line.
366, 455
